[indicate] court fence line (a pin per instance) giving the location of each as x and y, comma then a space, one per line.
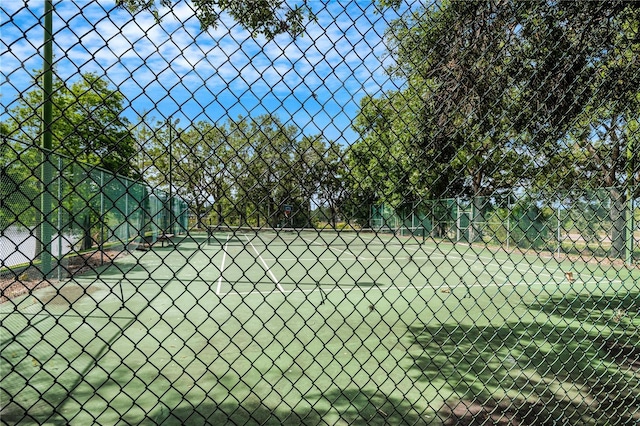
92, 211
565, 223
306, 212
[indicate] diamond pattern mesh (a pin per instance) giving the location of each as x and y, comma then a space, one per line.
320, 212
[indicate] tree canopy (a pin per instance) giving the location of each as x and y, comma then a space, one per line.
263, 17
87, 122
506, 95
246, 170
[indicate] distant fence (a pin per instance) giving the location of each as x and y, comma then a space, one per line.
54, 207
589, 223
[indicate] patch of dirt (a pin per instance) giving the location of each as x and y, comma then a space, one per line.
27, 281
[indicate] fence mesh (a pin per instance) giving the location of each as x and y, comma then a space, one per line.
89, 211
578, 223
273, 212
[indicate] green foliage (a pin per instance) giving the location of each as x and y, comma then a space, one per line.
449, 120
19, 191
246, 170
87, 123
499, 96
262, 17
389, 164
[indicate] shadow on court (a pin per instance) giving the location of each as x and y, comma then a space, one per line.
151, 340
561, 367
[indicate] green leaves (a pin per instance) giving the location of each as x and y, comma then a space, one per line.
261, 17
245, 170
491, 80
87, 124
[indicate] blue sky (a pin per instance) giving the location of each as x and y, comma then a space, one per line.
173, 69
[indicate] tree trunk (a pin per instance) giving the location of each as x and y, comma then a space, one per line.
86, 227
617, 214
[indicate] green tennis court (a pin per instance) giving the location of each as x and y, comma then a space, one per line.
288, 327
288, 261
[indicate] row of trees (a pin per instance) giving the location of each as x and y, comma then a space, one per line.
240, 172
246, 171
497, 96
539, 96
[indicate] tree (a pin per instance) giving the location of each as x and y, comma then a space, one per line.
388, 159
400, 159
242, 172
458, 58
585, 80
326, 177
265, 17
269, 181
202, 158
88, 133
87, 123
528, 84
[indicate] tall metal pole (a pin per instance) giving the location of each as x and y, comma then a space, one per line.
102, 213
59, 223
170, 231
172, 216
630, 194
47, 138
558, 231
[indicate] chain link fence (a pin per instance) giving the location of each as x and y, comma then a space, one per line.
577, 223
320, 212
89, 211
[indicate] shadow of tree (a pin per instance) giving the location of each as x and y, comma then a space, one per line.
576, 363
337, 406
249, 411
366, 406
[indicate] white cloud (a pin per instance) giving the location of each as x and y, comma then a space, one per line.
174, 64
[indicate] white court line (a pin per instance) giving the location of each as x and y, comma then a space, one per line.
333, 259
224, 258
503, 268
453, 254
489, 267
328, 246
375, 258
432, 254
557, 275
266, 267
355, 288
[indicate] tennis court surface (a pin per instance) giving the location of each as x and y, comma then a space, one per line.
291, 326
320, 212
